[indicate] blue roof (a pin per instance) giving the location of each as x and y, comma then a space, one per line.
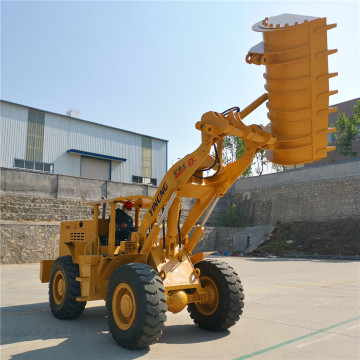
94, 155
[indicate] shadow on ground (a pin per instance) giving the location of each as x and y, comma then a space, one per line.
31, 332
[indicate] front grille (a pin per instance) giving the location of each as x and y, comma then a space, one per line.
77, 236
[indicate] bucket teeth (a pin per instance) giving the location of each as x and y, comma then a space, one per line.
322, 54
324, 28
327, 76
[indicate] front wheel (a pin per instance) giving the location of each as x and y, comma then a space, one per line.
225, 297
64, 289
136, 306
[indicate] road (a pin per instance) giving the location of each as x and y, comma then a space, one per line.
294, 309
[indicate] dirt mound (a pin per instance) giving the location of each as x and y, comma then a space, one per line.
340, 237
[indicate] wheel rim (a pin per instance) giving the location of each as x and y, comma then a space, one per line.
213, 296
123, 306
59, 287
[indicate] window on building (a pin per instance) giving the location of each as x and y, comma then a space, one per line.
146, 158
143, 180
33, 165
35, 136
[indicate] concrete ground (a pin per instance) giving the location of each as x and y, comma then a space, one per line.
294, 309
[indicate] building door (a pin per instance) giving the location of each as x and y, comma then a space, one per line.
95, 169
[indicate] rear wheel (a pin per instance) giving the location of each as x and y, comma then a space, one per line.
225, 297
64, 289
136, 306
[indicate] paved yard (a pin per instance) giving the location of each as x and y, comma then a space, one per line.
294, 309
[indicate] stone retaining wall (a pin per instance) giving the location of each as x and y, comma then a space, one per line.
320, 200
28, 242
25, 182
16, 207
32, 204
233, 240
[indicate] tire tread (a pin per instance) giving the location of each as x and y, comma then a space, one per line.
70, 308
155, 306
230, 285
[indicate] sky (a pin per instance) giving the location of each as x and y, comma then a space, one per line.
154, 67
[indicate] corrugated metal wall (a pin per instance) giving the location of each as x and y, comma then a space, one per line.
13, 127
63, 133
159, 158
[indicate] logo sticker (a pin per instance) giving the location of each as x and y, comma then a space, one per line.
158, 198
191, 162
179, 170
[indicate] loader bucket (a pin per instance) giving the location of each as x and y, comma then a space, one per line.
294, 52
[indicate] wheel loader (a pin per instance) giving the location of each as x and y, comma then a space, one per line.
156, 269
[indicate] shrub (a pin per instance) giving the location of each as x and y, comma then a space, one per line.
231, 218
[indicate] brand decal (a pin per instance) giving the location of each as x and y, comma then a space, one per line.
180, 169
191, 162
158, 198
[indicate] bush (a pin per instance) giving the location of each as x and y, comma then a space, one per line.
231, 218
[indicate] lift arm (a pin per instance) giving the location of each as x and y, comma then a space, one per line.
182, 179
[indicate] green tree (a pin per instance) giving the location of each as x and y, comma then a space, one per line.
233, 149
261, 161
347, 129
279, 168
231, 218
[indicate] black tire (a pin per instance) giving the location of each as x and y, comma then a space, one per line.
136, 306
226, 304
64, 289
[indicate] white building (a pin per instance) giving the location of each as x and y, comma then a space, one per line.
40, 140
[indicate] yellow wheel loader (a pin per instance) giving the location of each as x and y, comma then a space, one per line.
155, 270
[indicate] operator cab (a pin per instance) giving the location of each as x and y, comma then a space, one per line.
105, 226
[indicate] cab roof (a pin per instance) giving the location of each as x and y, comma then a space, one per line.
138, 201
